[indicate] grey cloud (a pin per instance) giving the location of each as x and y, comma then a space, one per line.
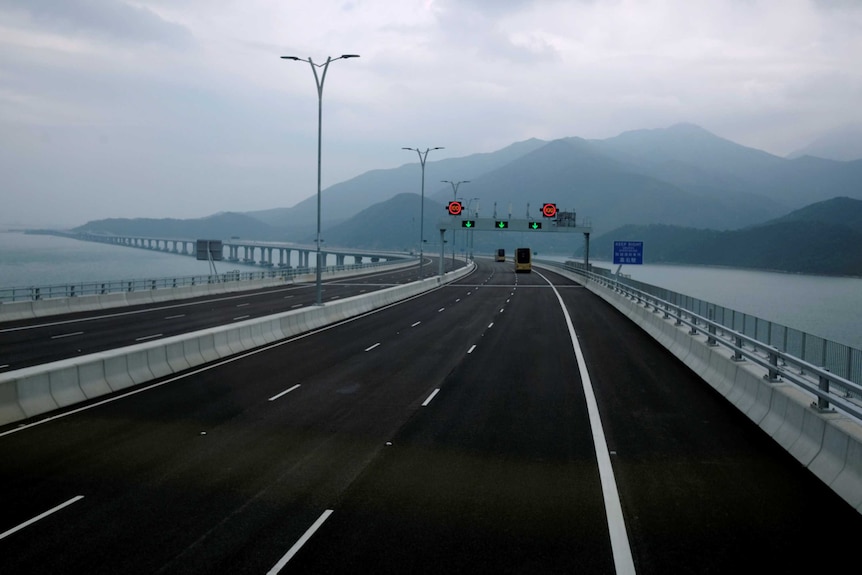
460, 28
111, 19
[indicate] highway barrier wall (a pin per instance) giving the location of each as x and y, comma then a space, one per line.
38, 390
828, 443
13, 311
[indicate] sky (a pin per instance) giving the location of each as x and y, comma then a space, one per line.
185, 108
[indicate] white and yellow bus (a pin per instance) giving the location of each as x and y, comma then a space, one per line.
523, 262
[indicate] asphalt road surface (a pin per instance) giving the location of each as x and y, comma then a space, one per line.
37, 341
461, 431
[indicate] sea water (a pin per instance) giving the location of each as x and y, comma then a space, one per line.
829, 307
43, 260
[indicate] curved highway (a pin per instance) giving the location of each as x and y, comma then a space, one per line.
503, 423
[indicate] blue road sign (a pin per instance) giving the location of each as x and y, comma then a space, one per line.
628, 252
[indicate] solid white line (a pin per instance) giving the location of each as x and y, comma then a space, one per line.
149, 337
471, 349
430, 397
4, 366
373, 346
176, 316
415, 324
296, 305
285, 392
241, 317
42, 516
67, 335
298, 545
613, 508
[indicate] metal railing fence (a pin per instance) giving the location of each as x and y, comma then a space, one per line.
36, 293
832, 371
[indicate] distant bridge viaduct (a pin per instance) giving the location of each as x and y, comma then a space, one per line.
252, 252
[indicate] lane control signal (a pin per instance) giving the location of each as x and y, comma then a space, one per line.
535, 225
501, 224
468, 223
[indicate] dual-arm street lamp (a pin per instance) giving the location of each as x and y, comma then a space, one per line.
454, 198
318, 80
422, 156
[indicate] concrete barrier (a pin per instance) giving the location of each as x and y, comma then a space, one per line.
828, 444
34, 391
15, 311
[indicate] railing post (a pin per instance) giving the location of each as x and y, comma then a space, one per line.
693, 330
710, 340
773, 374
737, 353
822, 403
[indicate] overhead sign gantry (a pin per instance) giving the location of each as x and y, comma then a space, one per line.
552, 221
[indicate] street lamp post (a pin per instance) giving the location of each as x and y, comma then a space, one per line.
454, 198
472, 214
318, 80
422, 157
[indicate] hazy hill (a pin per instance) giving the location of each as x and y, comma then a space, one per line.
390, 225
608, 191
346, 199
844, 211
218, 226
751, 180
824, 238
843, 144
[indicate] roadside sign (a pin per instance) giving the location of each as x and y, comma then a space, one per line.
626, 252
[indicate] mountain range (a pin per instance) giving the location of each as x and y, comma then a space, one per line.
822, 239
678, 177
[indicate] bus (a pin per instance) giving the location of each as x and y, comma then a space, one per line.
501, 255
522, 260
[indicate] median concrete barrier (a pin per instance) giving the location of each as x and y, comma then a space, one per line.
38, 390
65, 389
15, 311
829, 444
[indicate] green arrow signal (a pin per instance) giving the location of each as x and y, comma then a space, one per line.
502, 224
536, 225
468, 223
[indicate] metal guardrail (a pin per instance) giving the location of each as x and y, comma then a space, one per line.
36, 293
830, 371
